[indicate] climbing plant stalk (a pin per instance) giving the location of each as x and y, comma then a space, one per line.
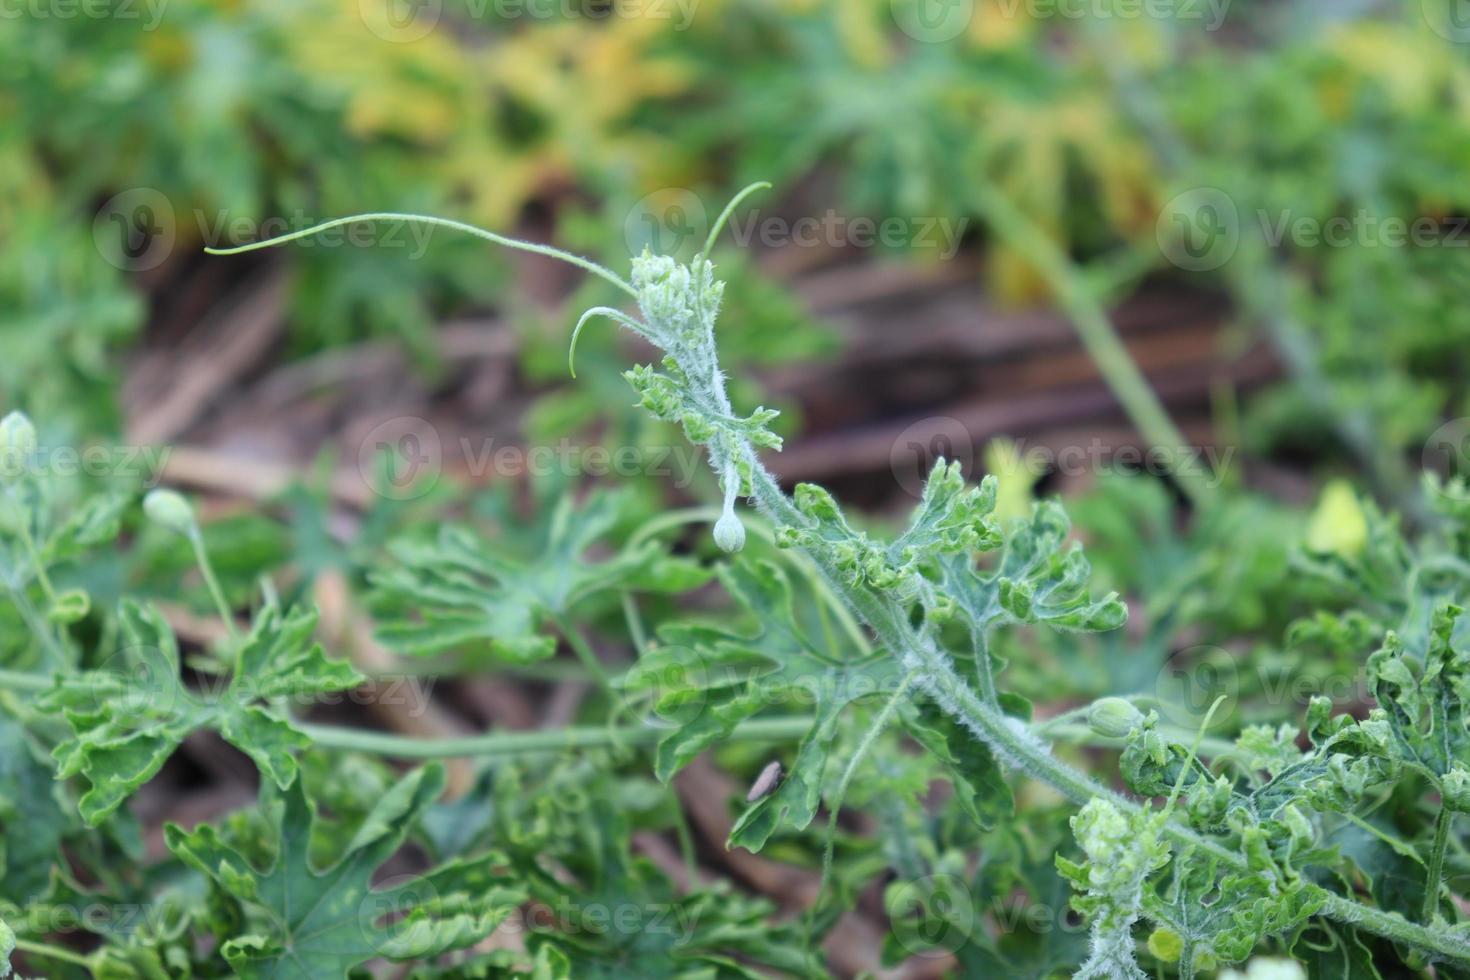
909, 591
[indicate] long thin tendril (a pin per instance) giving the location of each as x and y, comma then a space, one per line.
1199, 738
425, 219
719, 225
835, 804
617, 316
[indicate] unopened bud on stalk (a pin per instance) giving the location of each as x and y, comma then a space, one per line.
1455, 788
17, 444
169, 509
729, 532
1113, 717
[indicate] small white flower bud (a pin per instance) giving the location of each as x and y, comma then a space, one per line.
729, 532
17, 444
169, 509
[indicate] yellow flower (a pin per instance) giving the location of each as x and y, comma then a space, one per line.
1015, 474
1338, 525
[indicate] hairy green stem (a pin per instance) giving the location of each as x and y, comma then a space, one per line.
490, 744
55, 953
1435, 871
586, 655
1012, 741
39, 625
500, 744
201, 555
28, 541
834, 807
1015, 744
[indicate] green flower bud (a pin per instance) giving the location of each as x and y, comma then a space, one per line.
1455, 788
1297, 825
1207, 802
169, 509
17, 444
729, 532
71, 606
1113, 717
815, 501
1166, 944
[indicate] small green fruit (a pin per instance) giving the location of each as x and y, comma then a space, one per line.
1166, 945
1455, 788
1113, 717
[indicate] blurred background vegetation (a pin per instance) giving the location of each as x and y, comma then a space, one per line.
1265, 200
557, 119
1216, 181
1219, 183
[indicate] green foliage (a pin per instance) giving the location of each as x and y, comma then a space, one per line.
128, 718
458, 591
1277, 829
300, 921
708, 679
607, 911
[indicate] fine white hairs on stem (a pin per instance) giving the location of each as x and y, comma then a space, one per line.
729, 532
679, 304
